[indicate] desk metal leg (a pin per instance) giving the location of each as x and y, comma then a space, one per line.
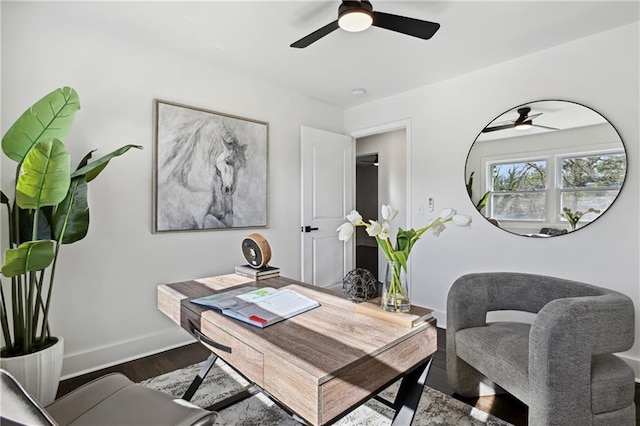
246, 392
208, 363
200, 377
408, 397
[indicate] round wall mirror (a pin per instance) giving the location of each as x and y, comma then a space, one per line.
545, 168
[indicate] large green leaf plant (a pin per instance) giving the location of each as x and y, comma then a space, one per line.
50, 209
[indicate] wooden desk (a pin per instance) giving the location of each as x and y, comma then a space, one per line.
320, 364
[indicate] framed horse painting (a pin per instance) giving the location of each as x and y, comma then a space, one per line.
210, 169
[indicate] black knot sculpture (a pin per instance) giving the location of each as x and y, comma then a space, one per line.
359, 285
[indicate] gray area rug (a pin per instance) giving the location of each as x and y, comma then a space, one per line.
435, 407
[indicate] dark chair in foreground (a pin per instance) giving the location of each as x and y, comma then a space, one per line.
111, 400
562, 366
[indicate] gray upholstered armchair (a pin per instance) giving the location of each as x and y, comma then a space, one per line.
562, 366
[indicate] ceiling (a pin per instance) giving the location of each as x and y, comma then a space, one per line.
254, 37
562, 115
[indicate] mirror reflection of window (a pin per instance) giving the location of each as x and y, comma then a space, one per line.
556, 176
519, 191
590, 183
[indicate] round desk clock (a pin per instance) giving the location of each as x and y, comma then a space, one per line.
256, 250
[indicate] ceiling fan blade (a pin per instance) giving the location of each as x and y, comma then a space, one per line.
545, 127
496, 128
316, 35
501, 123
402, 24
532, 116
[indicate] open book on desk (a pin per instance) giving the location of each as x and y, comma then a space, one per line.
260, 307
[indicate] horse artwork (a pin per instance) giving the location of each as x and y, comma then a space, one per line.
211, 170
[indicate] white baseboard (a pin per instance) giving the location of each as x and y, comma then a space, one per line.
441, 317
95, 359
633, 362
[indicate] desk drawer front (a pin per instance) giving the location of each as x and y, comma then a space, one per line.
358, 382
242, 357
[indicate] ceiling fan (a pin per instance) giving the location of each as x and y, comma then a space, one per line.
367, 160
358, 15
523, 122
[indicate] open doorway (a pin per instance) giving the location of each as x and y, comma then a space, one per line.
367, 206
388, 149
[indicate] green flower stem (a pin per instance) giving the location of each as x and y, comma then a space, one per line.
395, 290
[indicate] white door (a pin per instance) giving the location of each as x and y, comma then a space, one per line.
328, 175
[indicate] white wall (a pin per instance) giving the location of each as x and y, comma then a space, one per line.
104, 301
600, 72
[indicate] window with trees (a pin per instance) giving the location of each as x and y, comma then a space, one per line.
540, 189
590, 183
519, 190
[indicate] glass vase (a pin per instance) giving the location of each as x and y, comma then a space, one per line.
395, 289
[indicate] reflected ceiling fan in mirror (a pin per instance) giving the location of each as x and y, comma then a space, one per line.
523, 122
355, 16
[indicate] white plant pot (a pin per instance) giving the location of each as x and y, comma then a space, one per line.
38, 372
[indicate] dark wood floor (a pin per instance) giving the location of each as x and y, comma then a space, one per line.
503, 406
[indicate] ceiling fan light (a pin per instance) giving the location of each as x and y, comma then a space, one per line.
524, 125
355, 20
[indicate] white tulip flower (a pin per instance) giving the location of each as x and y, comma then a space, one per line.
385, 232
447, 214
345, 231
374, 229
437, 230
354, 217
461, 220
388, 212
430, 222
381, 230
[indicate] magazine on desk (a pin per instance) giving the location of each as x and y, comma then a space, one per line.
260, 307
